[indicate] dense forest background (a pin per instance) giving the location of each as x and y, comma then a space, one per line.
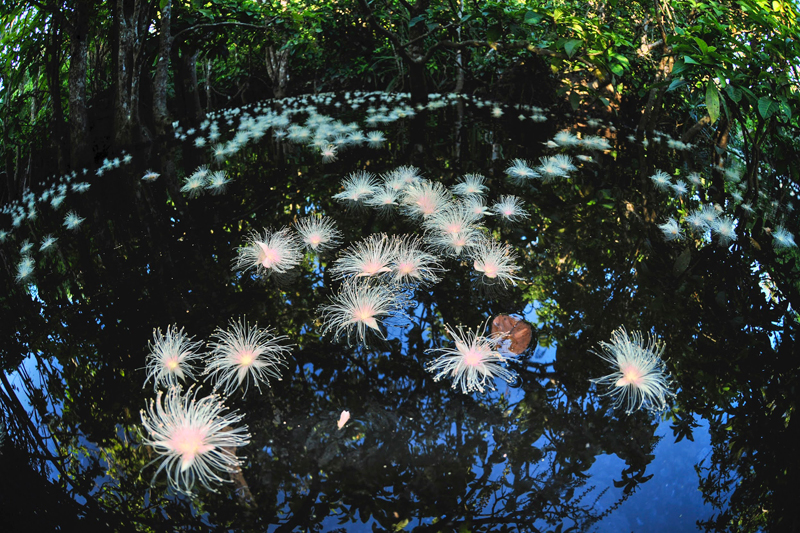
79, 79
84, 82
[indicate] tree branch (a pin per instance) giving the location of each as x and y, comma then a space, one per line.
227, 23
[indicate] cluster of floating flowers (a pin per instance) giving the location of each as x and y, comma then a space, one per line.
662, 138
378, 271
713, 219
450, 219
196, 439
29, 208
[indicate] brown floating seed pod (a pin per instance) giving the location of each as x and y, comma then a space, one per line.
518, 331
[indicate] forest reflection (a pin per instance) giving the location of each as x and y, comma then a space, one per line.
415, 453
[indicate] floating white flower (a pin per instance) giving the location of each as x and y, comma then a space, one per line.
172, 357
245, 353
273, 252
424, 198
470, 184
357, 187
473, 363
318, 233
671, 230
194, 439
640, 378
357, 308
510, 208
371, 256
495, 261
782, 238
72, 221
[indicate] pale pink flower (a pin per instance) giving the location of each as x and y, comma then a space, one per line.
510, 208
470, 184
640, 378
318, 233
413, 265
495, 261
357, 308
372, 256
194, 438
424, 198
473, 363
343, 418
172, 357
273, 252
357, 187
244, 353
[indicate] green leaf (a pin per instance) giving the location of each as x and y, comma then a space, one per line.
712, 101
415, 20
689, 60
682, 262
702, 45
678, 67
533, 18
571, 45
493, 34
734, 93
767, 106
676, 83
574, 100
617, 69
785, 109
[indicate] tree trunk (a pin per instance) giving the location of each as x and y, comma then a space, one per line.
131, 19
78, 113
278, 70
160, 113
190, 84
459, 58
122, 98
417, 84
53, 77
207, 72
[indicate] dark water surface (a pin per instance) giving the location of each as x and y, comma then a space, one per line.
547, 452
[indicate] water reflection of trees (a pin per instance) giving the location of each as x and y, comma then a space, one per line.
414, 450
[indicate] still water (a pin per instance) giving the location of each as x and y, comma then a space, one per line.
585, 249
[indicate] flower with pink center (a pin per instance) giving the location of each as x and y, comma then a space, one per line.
407, 174
357, 308
495, 261
194, 438
318, 233
510, 208
640, 379
455, 218
171, 358
424, 198
245, 353
273, 252
413, 264
328, 153
384, 199
473, 363
357, 187
370, 257
470, 184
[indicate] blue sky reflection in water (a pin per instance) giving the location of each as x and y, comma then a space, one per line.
543, 451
